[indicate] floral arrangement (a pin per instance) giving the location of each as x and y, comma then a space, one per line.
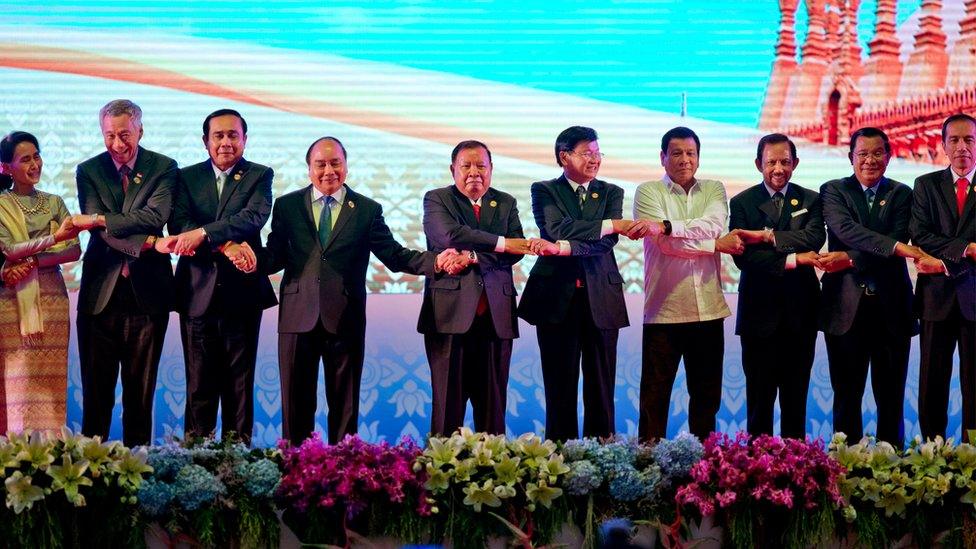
783, 491
517, 481
928, 488
371, 489
214, 493
64, 487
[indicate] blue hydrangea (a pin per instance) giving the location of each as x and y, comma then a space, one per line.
154, 497
676, 457
629, 484
260, 477
196, 486
579, 449
614, 456
167, 460
583, 478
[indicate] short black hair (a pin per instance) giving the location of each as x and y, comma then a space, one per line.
567, 139
7, 146
955, 118
308, 153
869, 132
222, 112
680, 132
773, 139
469, 144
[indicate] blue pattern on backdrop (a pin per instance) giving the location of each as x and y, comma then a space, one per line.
395, 397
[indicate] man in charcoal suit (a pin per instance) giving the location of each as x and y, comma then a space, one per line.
221, 203
776, 318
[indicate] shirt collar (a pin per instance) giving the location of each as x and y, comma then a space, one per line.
968, 176
773, 191
876, 187
671, 185
131, 163
337, 196
217, 171
576, 184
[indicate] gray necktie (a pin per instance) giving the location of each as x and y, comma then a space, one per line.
221, 179
869, 196
581, 194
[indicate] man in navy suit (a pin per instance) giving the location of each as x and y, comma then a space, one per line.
776, 318
944, 225
126, 294
220, 203
574, 295
322, 237
866, 311
468, 320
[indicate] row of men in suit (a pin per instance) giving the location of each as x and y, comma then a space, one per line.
322, 237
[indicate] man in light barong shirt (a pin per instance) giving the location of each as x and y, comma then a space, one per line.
684, 306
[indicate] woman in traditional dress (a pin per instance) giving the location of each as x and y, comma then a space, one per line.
36, 236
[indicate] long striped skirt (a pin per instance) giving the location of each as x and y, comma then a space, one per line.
34, 379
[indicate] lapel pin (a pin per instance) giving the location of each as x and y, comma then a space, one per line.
794, 202
882, 203
595, 195
237, 176
137, 179
351, 204
493, 204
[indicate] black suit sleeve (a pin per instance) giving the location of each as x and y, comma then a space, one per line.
808, 239
392, 254
759, 257
553, 222
864, 243
445, 231
248, 221
925, 230
492, 260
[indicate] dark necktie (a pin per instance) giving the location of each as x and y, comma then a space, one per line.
778, 203
483, 300
581, 195
961, 185
869, 196
124, 176
325, 220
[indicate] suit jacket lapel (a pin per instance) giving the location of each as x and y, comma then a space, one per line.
235, 179
884, 187
111, 191
792, 202
136, 185
947, 185
345, 213
567, 195
309, 217
594, 200
853, 188
766, 205
465, 208
489, 210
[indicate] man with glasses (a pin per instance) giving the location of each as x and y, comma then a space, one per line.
866, 311
574, 295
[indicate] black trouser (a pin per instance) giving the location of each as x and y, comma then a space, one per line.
778, 363
298, 357
470, 366
219, 351
938, 342
868, 342
701, 345
562, 347
121, 336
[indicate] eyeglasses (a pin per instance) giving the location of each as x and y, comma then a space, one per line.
877, 155
589, 155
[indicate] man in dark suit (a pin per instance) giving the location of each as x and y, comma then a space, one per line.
322, 236
944, 225
866, 310
126, 286
574, 296
776, 318
468, 320
221, 202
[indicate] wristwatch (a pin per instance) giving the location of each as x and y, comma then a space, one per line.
667, 227
151, 240
472, 256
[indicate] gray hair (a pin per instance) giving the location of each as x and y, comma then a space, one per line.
119, 107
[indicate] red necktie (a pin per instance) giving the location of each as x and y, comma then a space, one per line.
961, 189
483, 302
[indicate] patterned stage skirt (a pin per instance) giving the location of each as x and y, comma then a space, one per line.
34, 380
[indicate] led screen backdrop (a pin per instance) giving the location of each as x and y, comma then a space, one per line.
402, 82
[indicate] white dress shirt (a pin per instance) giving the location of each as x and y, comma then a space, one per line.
682, 271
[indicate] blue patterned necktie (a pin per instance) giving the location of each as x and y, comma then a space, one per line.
869, 196
325, 220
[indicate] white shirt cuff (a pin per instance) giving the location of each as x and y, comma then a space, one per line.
791, 262
500, 245
564, 247
606, 228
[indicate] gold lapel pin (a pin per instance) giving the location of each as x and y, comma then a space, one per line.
237, 176
595, 195
137, 179
351, 204
493, 204
794, 202
882, 203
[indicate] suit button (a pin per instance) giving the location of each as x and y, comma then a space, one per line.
318, 279
480, 283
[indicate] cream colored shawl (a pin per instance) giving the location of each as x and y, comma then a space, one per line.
28, 289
